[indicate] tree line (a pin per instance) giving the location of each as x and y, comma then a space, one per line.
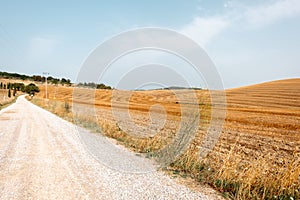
37, 78
13, 88
94, 85
50, 80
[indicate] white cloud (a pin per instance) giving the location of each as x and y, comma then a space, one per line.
202, 30
270, 13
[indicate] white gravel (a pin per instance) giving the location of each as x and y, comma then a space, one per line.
44, 157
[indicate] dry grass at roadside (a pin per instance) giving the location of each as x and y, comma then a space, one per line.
5, 100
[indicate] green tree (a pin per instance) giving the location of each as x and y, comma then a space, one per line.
19, 86
31, 89
37, 78
63, 81
103, 86
68, 82
55, 81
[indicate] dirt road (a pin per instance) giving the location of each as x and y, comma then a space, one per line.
42, 157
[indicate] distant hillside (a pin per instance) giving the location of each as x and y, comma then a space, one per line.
282, 94
36, 78
171, 88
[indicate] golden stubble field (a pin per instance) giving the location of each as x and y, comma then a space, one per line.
258, 153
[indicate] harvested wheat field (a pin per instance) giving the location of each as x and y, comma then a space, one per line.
257, 155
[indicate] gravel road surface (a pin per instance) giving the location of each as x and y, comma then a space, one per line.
42, 157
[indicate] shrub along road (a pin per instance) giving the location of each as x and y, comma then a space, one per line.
42, 157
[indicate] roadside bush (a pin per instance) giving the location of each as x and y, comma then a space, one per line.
31, 89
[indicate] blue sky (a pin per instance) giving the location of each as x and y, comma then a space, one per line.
249, 41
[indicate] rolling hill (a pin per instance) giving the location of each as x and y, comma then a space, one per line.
258, 147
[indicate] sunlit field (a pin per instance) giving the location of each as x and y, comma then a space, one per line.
257, 155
